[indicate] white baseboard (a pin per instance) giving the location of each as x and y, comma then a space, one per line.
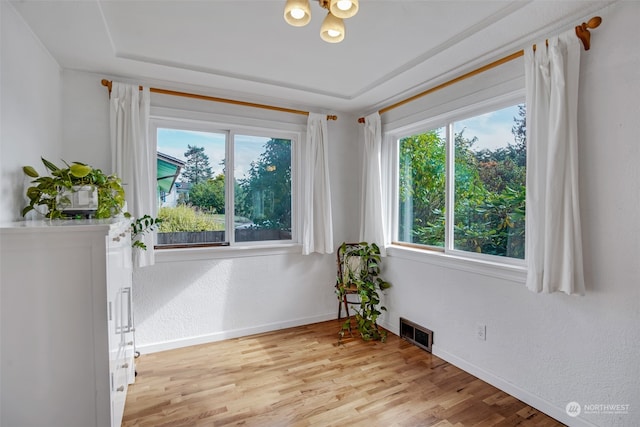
234, 333
537, 402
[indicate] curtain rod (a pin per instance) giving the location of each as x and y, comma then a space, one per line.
107, 84
582, 32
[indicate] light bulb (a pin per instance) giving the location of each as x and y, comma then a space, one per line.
332, 29
343, 8
344, 4
297, 13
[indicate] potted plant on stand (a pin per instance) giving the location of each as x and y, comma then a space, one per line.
363, 276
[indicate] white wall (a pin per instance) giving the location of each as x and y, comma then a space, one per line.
191, 301
550, 350
85, 118
31, 125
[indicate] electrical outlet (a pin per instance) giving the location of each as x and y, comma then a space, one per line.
481, 331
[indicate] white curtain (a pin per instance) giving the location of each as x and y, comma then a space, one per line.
372, 214
133, 157
554, 243
317, 229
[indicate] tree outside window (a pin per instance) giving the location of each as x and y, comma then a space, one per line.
488, 191
258, 208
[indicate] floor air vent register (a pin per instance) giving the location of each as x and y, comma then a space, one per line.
416, 334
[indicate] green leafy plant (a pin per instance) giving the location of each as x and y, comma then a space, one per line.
364, 274
139, 227
49, 191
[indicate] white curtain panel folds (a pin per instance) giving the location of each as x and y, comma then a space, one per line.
554, 242
133, 157
317, 228
372, 214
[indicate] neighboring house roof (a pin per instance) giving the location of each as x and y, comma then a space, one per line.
168, 170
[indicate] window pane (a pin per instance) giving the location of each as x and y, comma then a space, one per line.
262, 187
422, 188
490, 177
191, 190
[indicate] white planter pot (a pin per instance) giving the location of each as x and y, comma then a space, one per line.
79, 198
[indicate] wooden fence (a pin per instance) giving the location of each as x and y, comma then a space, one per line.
242, 235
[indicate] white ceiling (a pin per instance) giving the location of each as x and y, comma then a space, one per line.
245, 50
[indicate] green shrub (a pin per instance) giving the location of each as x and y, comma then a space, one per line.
187, 218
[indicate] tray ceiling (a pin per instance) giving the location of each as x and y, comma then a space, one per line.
245, 49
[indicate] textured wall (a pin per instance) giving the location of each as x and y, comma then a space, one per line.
207, 300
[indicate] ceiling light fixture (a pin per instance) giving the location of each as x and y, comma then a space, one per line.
298, 14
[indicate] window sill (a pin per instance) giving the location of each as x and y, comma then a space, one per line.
226, 252
515, 273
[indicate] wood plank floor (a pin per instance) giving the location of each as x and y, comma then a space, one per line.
303, 377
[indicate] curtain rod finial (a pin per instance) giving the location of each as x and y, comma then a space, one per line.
107, 84
582, 31
594, 22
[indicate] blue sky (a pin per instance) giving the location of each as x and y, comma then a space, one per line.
248, 148
492, 129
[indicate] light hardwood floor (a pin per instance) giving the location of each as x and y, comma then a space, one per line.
303, 377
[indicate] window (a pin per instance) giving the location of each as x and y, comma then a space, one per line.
461, 186
219, 187
262, 199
